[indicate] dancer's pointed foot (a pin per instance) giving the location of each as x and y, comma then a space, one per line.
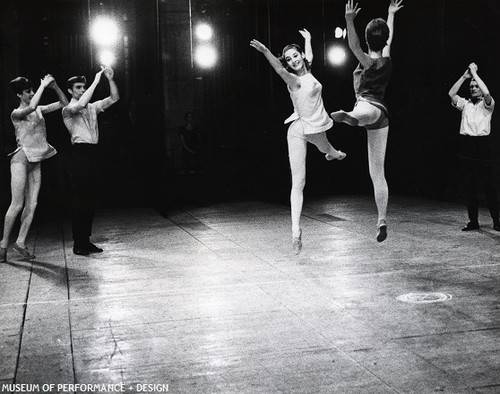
338, 156
381, 231
344, 117
297, 243
23, 252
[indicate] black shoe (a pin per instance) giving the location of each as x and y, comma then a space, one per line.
496, 226
471, 226
81, 251
382, 233
93, 249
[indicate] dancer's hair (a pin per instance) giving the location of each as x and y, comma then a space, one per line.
20, 84
77, 79
377, 34
298, 49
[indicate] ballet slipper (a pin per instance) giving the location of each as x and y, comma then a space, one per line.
339, 156
297, 243
382, 231
344, 117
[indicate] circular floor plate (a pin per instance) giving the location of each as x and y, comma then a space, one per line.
424, 298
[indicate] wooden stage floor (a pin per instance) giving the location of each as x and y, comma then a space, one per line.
211, 299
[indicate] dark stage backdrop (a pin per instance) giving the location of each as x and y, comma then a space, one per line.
240, 104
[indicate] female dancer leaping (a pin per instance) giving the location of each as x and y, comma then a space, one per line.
309, 120
370, 81
32, 148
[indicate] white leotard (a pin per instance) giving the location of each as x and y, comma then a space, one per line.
308, 106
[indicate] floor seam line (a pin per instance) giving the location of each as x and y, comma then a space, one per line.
25, 309
64, 245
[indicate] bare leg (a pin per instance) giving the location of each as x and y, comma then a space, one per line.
31, 199
19, 176
377, 143
362, 114
297, 152
321, 142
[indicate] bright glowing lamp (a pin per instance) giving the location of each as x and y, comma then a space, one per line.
106, 58
205, 56
337, 55
338, 32
104, 31
204, 32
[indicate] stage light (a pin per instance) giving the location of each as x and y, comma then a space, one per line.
205, 56
337, 55
104, 32
106, 58
340, 33
204, 32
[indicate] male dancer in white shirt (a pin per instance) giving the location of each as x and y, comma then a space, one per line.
80, 118
474, 149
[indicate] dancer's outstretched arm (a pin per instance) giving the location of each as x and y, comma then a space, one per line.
394, 7
114, 95
307, 45
486, 93
456, 86
63, 100
290, 79
351, 11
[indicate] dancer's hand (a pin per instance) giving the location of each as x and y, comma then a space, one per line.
351, 10
473, 68
258, 45
109, 73
304, 33
47, 80
395, 6
467, 74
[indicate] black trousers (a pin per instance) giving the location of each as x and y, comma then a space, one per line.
84, 173
476, 168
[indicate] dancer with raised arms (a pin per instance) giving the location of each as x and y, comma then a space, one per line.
309, 122
25, 164
371, 78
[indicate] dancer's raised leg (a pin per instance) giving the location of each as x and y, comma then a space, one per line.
321, 142
362, 114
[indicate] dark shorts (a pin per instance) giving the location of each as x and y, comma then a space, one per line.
383, 119
381, 122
